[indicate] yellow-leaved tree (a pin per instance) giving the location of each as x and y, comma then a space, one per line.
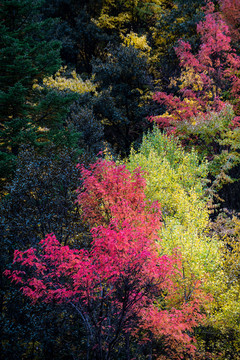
176, 179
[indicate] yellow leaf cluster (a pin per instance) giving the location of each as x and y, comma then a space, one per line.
112, 22
139, 42
189, 78
60, 81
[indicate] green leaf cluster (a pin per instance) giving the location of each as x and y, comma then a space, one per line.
215, 136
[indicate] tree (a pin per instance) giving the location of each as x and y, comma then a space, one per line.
27, 116
208, 78
82, 119
123, 85
175, 179
69, 82
81, 38
113, 286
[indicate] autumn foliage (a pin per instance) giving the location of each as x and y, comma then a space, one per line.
231, 13
133, 259
208, 79
122, 286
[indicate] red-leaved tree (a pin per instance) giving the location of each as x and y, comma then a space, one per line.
121, 285
208, 79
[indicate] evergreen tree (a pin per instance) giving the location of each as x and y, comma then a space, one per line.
124, 85
80, 36
27, 55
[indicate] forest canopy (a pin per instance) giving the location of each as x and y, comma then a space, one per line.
120, 180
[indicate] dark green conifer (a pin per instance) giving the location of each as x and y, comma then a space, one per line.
27, 55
